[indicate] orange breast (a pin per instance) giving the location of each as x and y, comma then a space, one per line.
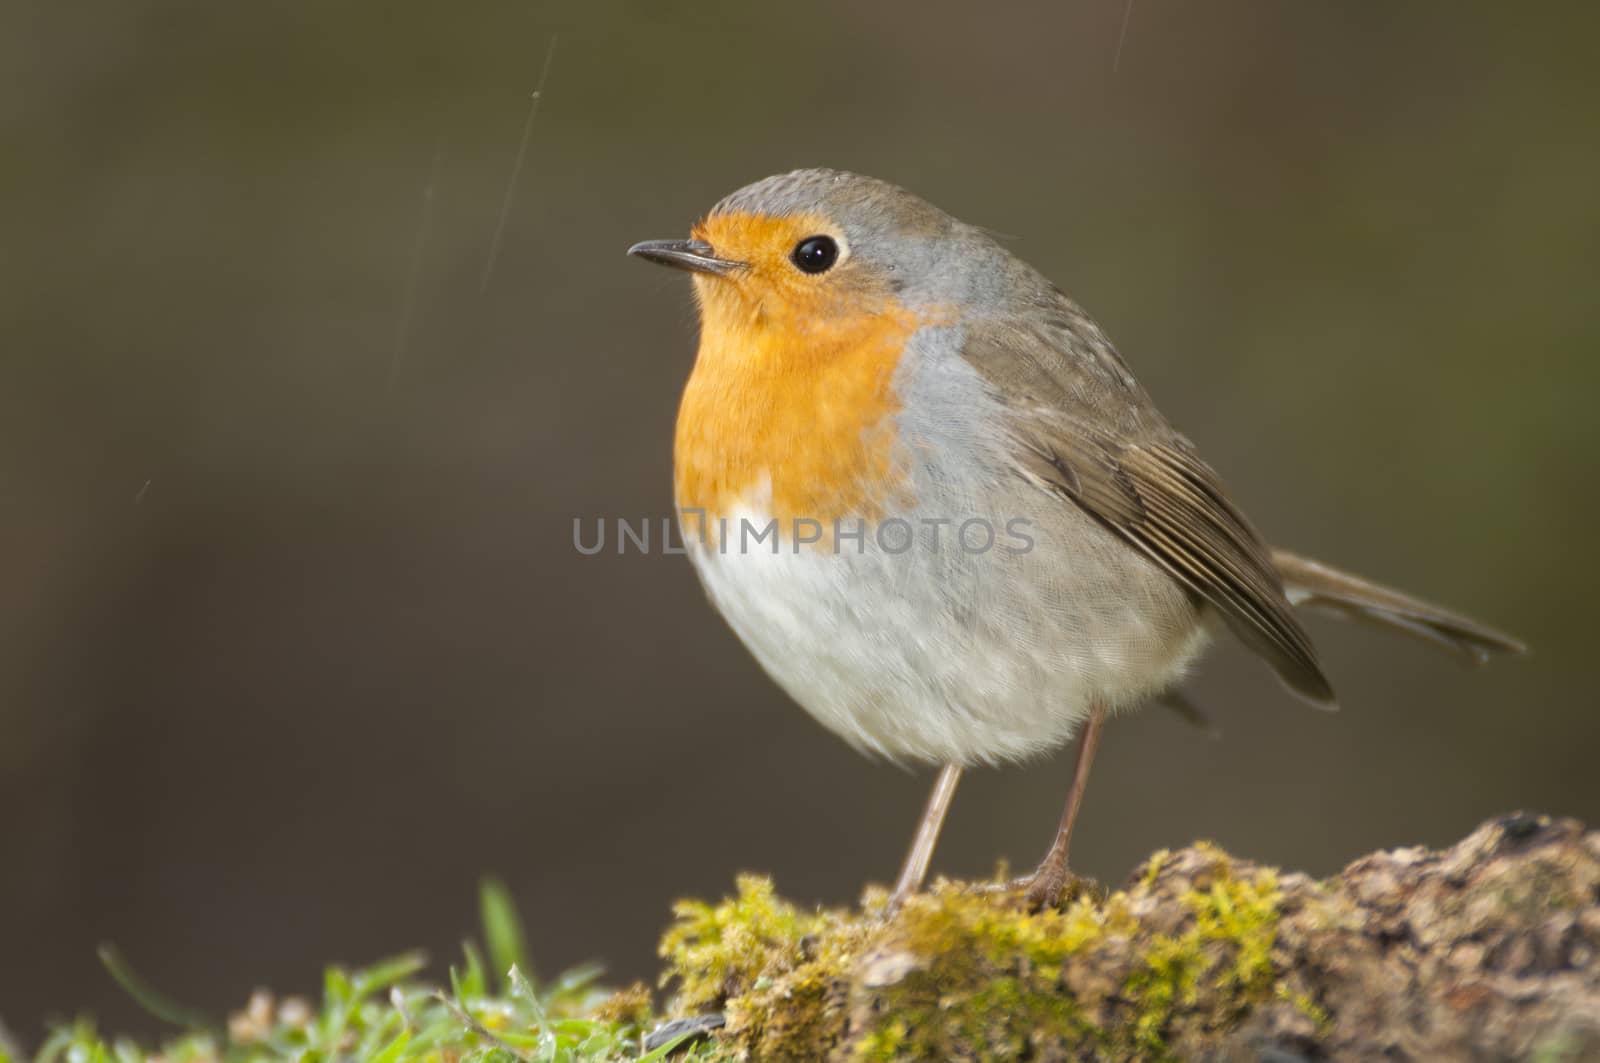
796, 398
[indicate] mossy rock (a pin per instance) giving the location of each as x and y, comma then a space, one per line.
1488, 949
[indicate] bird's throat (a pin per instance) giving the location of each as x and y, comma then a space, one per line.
797, 409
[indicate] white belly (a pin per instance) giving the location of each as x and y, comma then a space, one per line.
954, 655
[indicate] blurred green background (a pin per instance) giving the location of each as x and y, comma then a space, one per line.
294, 643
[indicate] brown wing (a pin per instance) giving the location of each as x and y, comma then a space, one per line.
1088, 432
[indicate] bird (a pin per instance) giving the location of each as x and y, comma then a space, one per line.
931, 498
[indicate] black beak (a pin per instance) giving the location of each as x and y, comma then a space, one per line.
692, 255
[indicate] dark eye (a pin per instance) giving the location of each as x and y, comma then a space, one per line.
815, 254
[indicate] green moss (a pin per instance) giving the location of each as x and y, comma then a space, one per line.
965, 972
772, 967
712, 950
1218, 966
1152, 867
1305, 1005
985, 980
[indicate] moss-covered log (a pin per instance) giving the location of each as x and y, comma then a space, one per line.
1487, 950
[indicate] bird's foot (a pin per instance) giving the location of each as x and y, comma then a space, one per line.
1048, 887
1051, 884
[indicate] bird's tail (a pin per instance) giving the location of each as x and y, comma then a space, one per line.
1324, 588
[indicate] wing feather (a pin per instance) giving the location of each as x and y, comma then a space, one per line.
1093, 437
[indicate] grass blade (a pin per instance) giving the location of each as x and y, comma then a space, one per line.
663, 1051
502, 930
148, 998
385, 973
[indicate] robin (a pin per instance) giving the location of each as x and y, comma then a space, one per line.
930, 496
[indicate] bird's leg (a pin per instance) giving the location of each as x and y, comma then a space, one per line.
921, 854
1044, 888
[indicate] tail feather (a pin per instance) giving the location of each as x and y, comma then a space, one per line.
1322, 587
